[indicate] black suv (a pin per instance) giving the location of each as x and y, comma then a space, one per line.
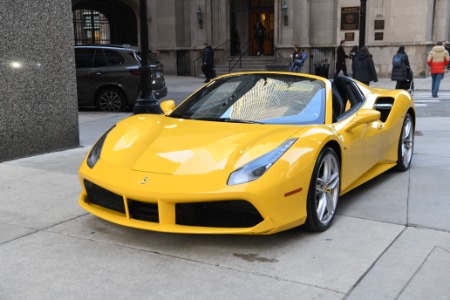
108, 77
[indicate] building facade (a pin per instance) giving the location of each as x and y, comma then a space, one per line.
178, 28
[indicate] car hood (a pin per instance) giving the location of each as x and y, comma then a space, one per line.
164, 145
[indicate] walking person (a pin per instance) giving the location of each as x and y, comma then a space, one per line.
340, 60
437, 60
401, 71
208, 62
260, 33
363, 67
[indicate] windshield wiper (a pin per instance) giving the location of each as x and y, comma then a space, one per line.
242, 121
228, 120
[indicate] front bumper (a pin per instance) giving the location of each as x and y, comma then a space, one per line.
161, 206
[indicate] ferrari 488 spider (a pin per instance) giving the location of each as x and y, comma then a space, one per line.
248, 153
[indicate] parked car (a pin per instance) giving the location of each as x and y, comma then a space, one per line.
248, 153
108, 76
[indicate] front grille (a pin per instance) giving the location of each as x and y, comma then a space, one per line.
228, 214
143, 211
104, 198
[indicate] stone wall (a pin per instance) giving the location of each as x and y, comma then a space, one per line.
38, 92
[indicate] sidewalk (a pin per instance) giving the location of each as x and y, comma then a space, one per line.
390, 239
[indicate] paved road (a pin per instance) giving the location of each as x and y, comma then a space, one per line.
390, 239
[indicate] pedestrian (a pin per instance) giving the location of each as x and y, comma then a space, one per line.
363, 67
260, 32
340, 60
353, 52
296, 58
352, 56
401, 71
438, 59
208, 62
304, 57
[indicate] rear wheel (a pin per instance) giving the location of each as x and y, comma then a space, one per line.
324, 189
111, 99
406, 144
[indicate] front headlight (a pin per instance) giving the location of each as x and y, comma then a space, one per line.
94, 155
256, 168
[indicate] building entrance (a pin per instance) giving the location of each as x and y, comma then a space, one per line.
265, 15
261, 11
244, 17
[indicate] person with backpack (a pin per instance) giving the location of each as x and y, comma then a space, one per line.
437, 60
401, 71
260, 32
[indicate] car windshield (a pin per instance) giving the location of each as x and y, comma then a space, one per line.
258, 98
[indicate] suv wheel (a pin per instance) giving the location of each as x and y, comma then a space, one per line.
111, 99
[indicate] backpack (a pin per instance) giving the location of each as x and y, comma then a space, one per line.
397, 61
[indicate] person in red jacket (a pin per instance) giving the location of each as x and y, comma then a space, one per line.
437, 60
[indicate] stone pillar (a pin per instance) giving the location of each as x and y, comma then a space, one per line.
38, 107
301, 22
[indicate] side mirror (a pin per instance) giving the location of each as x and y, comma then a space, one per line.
364, 116
167, 106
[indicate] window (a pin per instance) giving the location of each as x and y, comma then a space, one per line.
84, 57
91, 27
113, 58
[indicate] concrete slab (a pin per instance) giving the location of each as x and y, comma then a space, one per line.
64, 162
37, 198
401, 270
384, 198
333, 260
11, 232
55, 266
429, 205
434, 272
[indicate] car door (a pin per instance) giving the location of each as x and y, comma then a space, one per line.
84, 58
363, 141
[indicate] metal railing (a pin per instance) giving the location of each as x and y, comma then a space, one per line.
247, 48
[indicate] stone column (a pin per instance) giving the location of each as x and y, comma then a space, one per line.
301, 21
39, 107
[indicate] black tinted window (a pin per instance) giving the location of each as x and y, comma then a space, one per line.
113, 58
84, 58
99, 59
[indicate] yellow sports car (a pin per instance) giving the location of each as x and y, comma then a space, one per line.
248, 153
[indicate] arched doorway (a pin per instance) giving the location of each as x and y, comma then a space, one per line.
104, 22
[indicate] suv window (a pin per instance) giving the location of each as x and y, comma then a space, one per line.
113, 58
99, 59
84, 57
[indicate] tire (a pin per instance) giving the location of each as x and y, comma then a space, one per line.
405, 144
324, 190
111, 99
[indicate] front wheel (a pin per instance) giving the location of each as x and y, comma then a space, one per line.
324, 190
405, 144
111, 99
